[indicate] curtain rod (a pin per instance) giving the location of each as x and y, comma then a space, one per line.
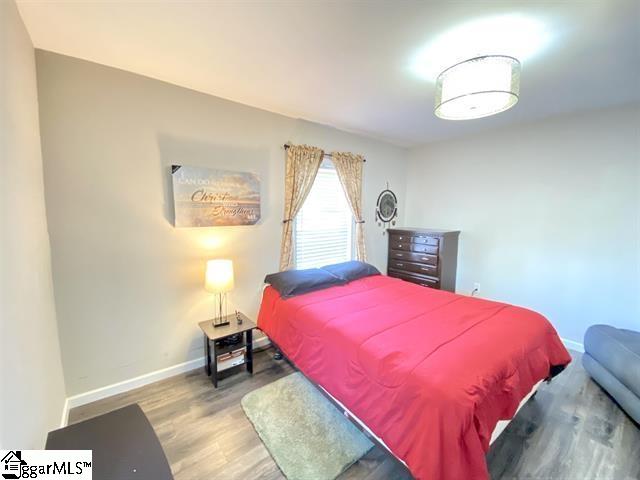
286, 146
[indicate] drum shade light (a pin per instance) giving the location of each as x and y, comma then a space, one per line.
219, 276
478, 87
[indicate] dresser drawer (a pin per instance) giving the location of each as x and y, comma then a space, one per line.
414, 247
423, 269
413, 257
424, 240
418, 279
420, 239
402, 245
400, 238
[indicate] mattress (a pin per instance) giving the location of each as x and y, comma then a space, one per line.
428, 372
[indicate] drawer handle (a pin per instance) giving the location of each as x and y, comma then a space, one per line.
424, 269
400, 264
399, 254
425, 258
399, 245
400, 238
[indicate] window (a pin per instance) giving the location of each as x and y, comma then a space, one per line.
323, 229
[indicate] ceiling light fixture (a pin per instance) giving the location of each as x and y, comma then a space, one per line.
478, 87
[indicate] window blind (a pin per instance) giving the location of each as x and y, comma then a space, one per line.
323, 229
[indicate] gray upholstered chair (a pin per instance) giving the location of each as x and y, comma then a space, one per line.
612, 358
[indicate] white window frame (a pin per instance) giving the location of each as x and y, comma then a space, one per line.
328, 163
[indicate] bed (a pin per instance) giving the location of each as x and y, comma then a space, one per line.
427, 373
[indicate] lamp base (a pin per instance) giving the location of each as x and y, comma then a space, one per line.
220, 305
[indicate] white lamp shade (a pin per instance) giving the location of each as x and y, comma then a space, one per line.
478, 87
219, 276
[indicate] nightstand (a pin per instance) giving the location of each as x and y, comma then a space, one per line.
220, 356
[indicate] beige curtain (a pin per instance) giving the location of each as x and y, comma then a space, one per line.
349, 168
301, 168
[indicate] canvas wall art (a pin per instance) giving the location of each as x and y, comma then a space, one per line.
205, 197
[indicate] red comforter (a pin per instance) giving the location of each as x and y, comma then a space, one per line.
430, 372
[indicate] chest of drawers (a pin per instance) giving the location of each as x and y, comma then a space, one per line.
424, 256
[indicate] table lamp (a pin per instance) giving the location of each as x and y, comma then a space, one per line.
219, 281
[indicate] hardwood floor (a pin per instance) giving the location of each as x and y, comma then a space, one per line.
570, 430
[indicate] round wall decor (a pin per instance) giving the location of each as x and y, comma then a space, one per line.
386, 208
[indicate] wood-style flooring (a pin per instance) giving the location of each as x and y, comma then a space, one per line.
571, 430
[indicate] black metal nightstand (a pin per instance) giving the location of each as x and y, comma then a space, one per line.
226, 355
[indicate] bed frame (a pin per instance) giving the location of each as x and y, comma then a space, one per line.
360, 425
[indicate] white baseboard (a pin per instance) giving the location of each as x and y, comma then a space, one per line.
132, 383
65, 414
570, 344
140, 381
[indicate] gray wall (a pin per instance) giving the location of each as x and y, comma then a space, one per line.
31, 382
549, 214
129, 286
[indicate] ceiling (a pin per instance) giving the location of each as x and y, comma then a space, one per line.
367, 67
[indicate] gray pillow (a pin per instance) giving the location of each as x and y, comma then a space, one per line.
296, 282
349, 271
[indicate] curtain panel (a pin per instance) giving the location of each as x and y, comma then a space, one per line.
302, 165
349, 167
